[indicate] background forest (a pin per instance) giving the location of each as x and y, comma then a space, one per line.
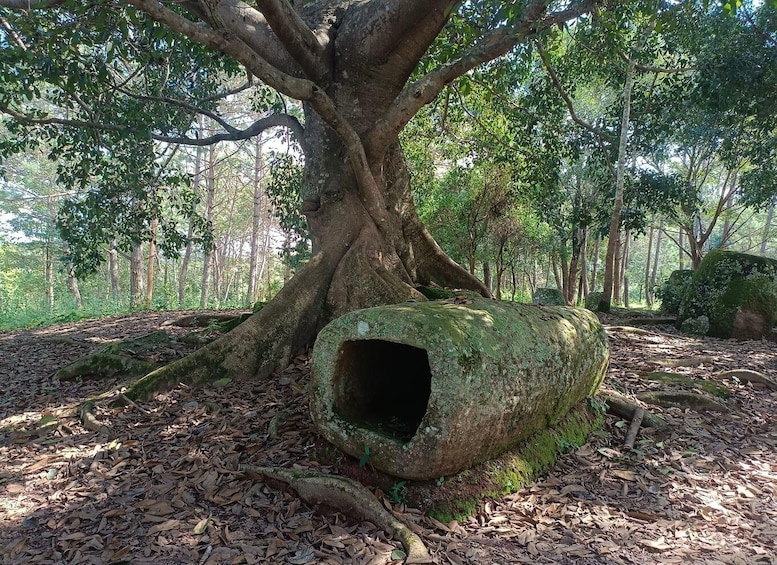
666, 124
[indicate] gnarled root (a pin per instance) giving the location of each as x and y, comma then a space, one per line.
348, 496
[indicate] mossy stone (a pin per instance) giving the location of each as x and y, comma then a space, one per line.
736, 291
671, 292
548, 297
592, 300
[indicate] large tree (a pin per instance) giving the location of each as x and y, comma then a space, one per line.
361, 70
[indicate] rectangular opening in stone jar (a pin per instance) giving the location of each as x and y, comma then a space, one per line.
382, 386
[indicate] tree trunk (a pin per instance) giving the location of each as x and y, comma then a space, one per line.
136, 276
72, 283
624, 270
184, 271
768, 226
210, 202
187, 255
648, 265
254, 276
616, 270
113, 270
610, 271
656, 259
583, 279
680, 237
487, 275
49, 275
595, 265
357, 262
151, 261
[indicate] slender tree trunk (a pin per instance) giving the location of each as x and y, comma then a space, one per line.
254, 276
583, 278
185, 261
768, 227
726, 234
657, 258
487, 275
513, 282
595, 265
49, 274
151, 260
610, 271
616, 269
210, 202
187, 255
557, 276
72, 282
648, 265
136, 276
113, 270
266, 255
624, 271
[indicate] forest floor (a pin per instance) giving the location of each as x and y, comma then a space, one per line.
162, 485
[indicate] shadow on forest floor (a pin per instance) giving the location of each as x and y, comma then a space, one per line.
163, 486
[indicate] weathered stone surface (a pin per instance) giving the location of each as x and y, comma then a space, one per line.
548, 297
696, 326
429, 388
671, 292
592, 300
736, 291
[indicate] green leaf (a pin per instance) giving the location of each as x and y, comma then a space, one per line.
398, 554
222, 382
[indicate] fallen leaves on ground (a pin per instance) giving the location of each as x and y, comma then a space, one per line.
163, 485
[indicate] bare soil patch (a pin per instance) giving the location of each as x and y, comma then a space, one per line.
162, 486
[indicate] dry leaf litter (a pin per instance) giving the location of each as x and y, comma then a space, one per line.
163, 485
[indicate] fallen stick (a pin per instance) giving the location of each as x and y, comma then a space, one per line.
636, 422
348, 496
620, 406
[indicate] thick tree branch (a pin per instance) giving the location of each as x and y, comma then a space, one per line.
234, 134
301, 89
393, 34
297, 38
276, 120
492, 46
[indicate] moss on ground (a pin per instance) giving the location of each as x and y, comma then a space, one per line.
715, 389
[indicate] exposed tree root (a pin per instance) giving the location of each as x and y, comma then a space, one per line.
103, 365
638, 331
199, 321
262, 344
348, 496
688, 362
655, 321
619, 405
748, 376
682, 399
88, 419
